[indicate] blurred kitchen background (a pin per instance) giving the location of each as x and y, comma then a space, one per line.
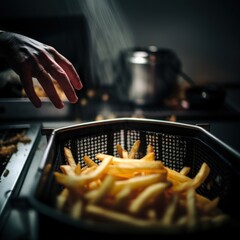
117, 47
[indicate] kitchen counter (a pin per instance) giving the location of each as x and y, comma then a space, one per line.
224, 121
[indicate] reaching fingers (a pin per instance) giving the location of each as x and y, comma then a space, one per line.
26, 79
67, 67
46, 65
46, 81
60, 76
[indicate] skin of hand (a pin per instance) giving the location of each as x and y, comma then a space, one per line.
30, 58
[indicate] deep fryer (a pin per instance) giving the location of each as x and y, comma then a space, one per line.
176, 144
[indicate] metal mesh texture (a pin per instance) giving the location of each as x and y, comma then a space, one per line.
175, 146
175, 151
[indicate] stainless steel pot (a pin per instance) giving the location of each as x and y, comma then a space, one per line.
147, 75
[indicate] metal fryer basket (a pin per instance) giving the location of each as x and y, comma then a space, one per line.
176, 145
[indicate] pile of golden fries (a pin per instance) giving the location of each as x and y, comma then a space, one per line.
135, 192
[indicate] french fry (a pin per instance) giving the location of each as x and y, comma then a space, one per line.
67, 169
134, 163
78, 181
167, 219
87, 170
97, 195
136, 192
138, 182
196, 181
77, 169
62, 198
94, 184
211, 205
148, 157
139, 165
149, 193
134, 149
177, 177
119, 150
201, 175
191, 209
76, 209
185, 170
113, 215
89, 161
122, 218
121, 198
150, 149
69, 157
125, 154
126, 170
151, 214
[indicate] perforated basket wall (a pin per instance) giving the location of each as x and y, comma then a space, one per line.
176, 145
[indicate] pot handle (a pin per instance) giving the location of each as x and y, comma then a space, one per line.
187, 78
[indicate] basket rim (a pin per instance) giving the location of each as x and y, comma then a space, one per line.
147, 121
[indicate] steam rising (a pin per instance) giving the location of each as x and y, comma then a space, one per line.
109, 33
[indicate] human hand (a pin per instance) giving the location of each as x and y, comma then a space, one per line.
30, 58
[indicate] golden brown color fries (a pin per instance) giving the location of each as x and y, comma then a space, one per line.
136, 192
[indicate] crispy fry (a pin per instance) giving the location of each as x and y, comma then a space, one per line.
196, 181
149, 193
78, 181
177, 177
7, 150
191, 209
201, 175
77, 169
62, 198
67, 169
94, 184
211, 205
185, 170
19, 137
87, 170
148, 157
97, 195
89, 161
150, 149
121, 198
138, 182
134, 149
134, 163
115, 216
69, 157
76, 209
125, 154
139, 165
151, 214
136, 192
119, 150
128, 171
168, 216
